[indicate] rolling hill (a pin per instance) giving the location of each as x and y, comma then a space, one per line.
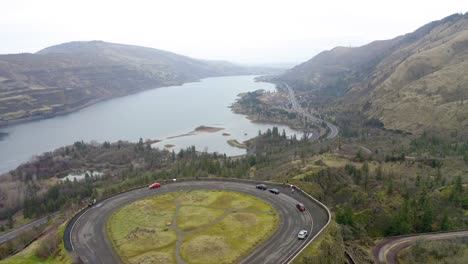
415, 82
70, 76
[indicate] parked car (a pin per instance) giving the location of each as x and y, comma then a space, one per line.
274, 190
302, 234
261, 186
154, 185
92, 203
300, 207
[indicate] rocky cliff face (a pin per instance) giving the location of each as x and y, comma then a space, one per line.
414, 82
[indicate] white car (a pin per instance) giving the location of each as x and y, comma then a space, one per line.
302, 234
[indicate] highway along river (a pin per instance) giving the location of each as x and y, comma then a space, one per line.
154, 114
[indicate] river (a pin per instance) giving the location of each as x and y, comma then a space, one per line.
153, 114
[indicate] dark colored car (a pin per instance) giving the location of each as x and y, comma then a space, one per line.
300, 207
261, 186
274, 190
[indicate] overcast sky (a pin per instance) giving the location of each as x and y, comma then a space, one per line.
243, 31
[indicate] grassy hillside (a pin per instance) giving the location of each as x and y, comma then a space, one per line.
413, 83
66, 77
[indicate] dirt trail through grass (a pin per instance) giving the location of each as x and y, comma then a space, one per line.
182, 233
179, 232
198, 215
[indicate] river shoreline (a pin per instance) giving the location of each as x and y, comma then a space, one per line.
8, 123
237, 108
154, 114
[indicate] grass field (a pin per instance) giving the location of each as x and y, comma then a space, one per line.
29, 256
212, 226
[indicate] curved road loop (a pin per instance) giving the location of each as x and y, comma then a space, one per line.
297, 107
387, 250
89, 239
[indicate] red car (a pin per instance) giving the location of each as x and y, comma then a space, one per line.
155, 185
300, 207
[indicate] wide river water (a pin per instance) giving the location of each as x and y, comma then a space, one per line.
154, 114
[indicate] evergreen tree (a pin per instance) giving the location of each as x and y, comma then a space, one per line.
365, 168
10, 221
390, 186
445, 224
418, 180
359, 156
344, 216
378, 172
426, 221
457, 191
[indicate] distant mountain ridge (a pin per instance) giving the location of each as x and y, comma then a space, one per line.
414, 82
144, 56
62, 78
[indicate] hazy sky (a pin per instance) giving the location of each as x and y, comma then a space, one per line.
254, 31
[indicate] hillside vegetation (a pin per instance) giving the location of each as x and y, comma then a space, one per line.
66, 77
413, 83
403, 184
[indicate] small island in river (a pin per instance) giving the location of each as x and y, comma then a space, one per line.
208, 129
199, 129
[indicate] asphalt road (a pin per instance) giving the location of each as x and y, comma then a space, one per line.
25, 228
387, 250
89, 239
297, 107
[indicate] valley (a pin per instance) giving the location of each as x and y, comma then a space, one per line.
371, 139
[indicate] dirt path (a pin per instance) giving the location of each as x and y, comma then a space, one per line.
180, 233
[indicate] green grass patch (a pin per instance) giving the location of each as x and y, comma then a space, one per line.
229, 239
162, 255
216, 227
28, 255
193, 217
142, 227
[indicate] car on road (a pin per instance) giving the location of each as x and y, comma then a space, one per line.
274, 190
300, 207
92, 203
154, 185
302, 234
261, 186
